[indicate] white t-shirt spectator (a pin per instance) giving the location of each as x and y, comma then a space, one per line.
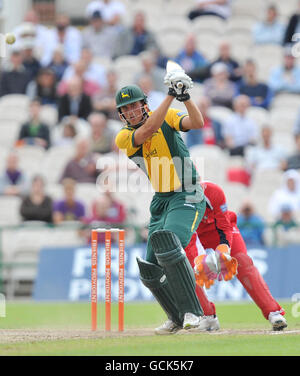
261, 158
41, 40
285, 196
72, 43
108, 10
241, 129
95, 72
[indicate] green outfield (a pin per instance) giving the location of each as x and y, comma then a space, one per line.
64, 329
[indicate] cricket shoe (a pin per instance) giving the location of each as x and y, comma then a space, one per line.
209, 323
167, 328
277, 321
205, 324
192, 321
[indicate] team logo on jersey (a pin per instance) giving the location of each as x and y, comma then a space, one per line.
223, 208
181, 113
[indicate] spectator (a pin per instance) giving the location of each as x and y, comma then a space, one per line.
218, 8
286, 219
89, 87
293, 160
32, 28
270, 30
189, 58
251, 225
102, 136
14, 78
65, 134
265, 156
30, 62
259, 93
69, 208
88, 70
99, 38
105, 101
74, 102
113, 11
108, 210
68, 36
286, 78
225, 56
82, 167
148, 59
136, 39
37, 206
154, 97
58, 63
293, 27
287, 194
211, 133
34, 132
44, 87
239, 130
219, 89
12, 181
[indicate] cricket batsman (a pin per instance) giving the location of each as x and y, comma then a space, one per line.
152, 140
218, 231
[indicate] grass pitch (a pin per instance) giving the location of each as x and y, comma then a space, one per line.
64, 329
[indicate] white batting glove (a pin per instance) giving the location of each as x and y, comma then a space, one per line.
177, 77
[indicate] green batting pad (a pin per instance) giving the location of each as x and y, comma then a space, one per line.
180, 275
154, 278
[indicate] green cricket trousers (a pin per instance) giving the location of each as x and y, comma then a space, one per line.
179, 212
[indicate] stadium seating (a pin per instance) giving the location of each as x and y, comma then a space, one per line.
208, 23
170, 41
259, 115
220, 113
9, 213
235, 194
55, 161
210, 162
30, 159
9, 133
127, 67
49, 115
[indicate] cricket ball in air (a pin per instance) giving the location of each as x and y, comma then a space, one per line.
10, 38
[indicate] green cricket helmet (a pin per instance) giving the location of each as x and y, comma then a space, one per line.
131, 94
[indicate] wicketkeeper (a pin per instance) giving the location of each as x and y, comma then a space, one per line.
152, 140
218, 232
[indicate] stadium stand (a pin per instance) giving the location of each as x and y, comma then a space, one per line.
168, 20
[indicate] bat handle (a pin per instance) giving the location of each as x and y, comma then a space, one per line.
179, 85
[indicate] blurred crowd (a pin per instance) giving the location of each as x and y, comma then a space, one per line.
72, 70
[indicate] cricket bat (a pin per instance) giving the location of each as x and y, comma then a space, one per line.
171, 67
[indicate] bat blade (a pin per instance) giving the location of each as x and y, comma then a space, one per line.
172, 66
